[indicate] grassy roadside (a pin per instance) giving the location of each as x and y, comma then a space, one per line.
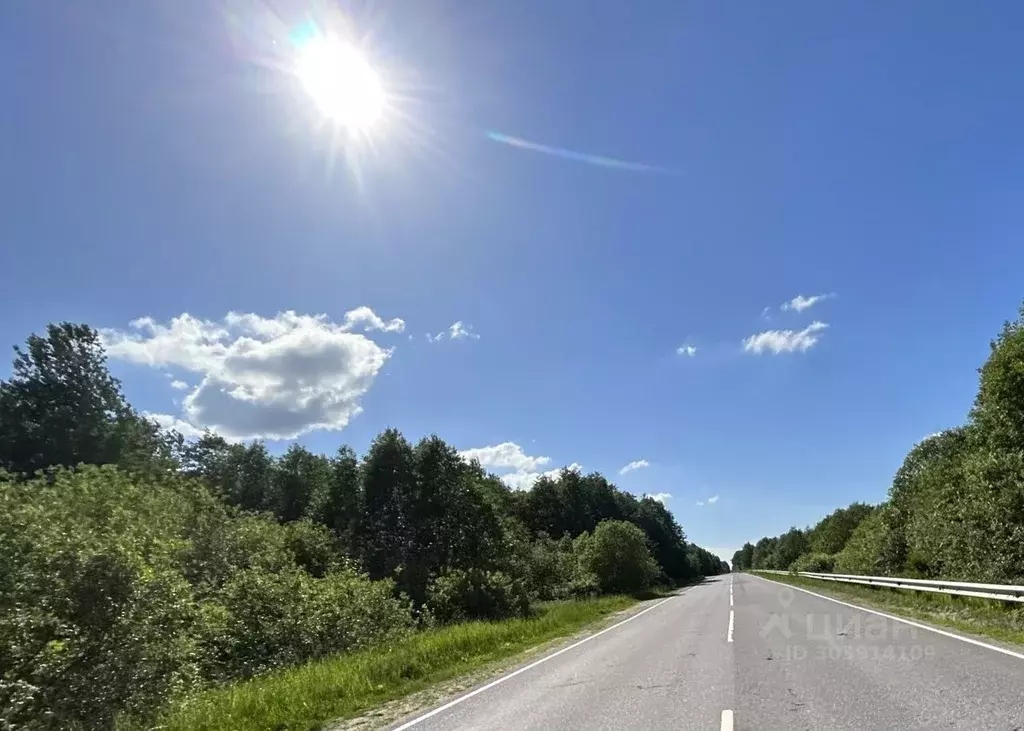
306, 697
1002, 621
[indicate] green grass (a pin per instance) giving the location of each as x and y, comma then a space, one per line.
308, 696
1003, 621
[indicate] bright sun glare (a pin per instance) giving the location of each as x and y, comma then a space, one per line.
342, 83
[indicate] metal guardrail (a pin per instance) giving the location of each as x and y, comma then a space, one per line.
1002, 592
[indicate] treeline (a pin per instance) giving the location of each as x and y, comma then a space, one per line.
137, 566
955, 509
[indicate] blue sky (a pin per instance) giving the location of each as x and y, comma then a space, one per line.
161, 161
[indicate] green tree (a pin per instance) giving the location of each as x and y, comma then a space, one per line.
618, 555
300, 484
790, 546
831, 533
863, 552
387, 482
763, 555
61, 407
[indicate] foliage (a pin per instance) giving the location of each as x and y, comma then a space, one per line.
61, 407
459, 596
617, 554
833, 531
815, 562
118, 592
743, 559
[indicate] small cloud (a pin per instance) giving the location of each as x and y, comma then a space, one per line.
638, 464
688, 350
713, 499
700, 503
371, 321
511, 456
801, 303
461, 331
661, 497
524, 480
507, 455
457, 331
180, 385
764, 313
169, 421
784, 341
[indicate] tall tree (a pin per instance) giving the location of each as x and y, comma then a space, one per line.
833, 531
387, 482
61, 407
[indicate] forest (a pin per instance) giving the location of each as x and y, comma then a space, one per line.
955, 509
138, 566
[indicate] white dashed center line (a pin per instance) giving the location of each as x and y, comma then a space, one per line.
727, 720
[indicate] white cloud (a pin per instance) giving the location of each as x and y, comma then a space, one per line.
687, 350
179, 385
700, 503
460, 331
801, 303
638, 464
510, 456
272, 378
457, 331
507, 455
784, 341
371, 321
713, 499
169, 421
524, 480
661, 497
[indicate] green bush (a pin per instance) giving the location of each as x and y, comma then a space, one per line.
815, 562
116, 594
617, 554
263, 620
457, 596
96, 615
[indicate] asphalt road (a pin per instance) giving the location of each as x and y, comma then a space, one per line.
778, 658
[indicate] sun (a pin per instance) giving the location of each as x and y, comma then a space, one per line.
342, 83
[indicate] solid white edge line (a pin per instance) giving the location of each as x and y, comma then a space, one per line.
944, 633
727, 720
731, 618
535, 663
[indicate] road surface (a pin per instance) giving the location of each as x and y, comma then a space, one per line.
742, 653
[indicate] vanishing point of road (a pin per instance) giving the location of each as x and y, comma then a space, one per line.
741, 653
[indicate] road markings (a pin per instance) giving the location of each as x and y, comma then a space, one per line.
727, 720
730, 593
979, 643
503, 678
731, 618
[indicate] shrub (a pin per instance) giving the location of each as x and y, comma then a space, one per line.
116, 594
617, 554
96, 616
459, 595
263, 620
815, 562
